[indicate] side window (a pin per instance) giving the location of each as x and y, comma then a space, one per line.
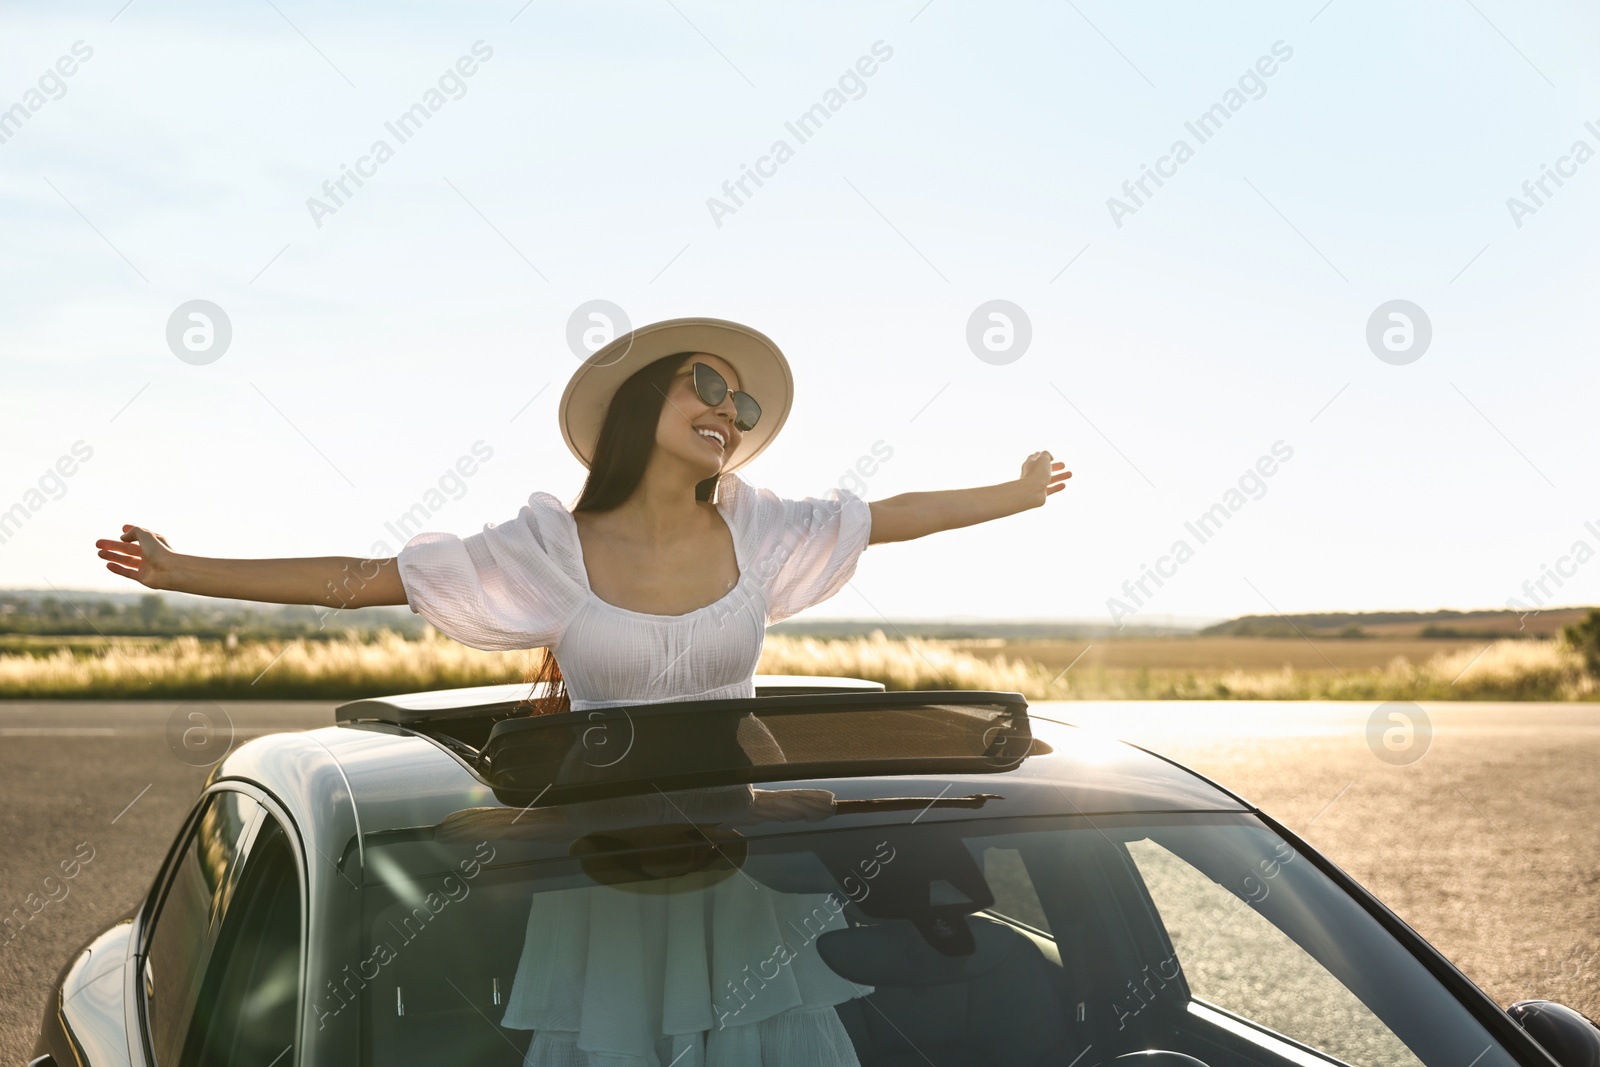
197, 897
1014, 895
246, 1008
1233, 958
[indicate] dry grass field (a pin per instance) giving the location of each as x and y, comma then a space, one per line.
44, 644
1187, 668
1221, 653
1202, 668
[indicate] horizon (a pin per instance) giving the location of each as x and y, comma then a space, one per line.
1175, 622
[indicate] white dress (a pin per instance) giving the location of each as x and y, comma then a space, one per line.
691, 975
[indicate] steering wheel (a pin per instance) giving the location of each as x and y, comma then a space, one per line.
1153, 1057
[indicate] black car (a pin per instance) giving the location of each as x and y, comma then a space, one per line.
999, 888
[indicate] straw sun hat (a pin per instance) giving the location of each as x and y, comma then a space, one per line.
763, 373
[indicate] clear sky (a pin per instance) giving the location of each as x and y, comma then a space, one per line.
1355, 154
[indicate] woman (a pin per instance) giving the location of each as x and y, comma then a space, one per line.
656, 586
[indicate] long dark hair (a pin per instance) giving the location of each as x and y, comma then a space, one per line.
627, 439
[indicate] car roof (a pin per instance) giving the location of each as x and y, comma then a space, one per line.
401, 777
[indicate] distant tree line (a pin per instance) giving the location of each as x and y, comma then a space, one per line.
1431, 624
1584, 637
152, 614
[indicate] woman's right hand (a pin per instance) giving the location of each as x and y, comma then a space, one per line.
321, 581
140, 554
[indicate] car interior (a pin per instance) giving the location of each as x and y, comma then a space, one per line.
1028, 949
246, 1010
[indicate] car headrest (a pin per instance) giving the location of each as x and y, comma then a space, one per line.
895, 953
934, 887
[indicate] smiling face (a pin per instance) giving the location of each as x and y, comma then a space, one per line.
684, 415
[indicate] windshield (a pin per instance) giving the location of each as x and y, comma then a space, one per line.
628, 937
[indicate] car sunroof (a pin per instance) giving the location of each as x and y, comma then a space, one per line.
553, 759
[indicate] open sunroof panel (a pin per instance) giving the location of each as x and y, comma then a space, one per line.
552, 759
479, 701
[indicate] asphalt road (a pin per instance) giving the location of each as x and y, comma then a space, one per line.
1485, 842
102, 774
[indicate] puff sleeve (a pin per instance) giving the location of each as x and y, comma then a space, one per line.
807, 548
500, 589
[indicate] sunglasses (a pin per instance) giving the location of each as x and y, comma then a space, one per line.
712, 388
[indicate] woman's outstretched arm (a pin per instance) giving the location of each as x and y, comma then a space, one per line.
328, 581
913, 515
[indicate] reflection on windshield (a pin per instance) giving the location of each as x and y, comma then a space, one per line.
649, 930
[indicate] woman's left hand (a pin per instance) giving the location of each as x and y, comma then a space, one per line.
1041, 477
907, 516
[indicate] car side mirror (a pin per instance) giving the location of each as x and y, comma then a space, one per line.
1570, 1037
